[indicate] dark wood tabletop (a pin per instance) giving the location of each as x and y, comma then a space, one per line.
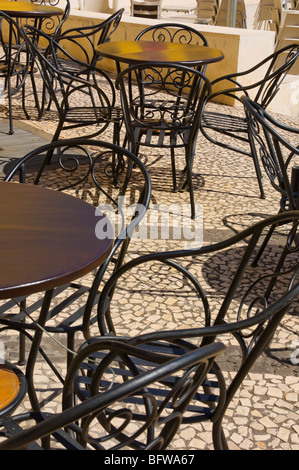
47, 238
133, 52
28, 10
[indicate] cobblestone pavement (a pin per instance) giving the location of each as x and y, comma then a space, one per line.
264, 414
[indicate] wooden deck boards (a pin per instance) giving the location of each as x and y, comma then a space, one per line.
18, 144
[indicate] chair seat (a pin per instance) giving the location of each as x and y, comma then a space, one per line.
224, 122
9, 387
201, 407
12, 388
16, 68
66, 296
92, 115
160, 134
70, 67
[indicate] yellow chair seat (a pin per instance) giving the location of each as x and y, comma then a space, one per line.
9, 386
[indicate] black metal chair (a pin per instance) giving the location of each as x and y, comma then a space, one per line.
106, 421
277, 147
228, 299
81, 103
14, 66
172, 32
84, 40
12, 388
106, 176
226, 129
81, 42
51, 26
162, 106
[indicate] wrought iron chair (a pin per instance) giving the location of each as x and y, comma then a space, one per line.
228, 299
240, 15
84, 40
13, 65
277, 147
227, 129
51, 26
85, 103
162, 105
106, 176
206, 11
107, 414
173, 32
81, 43
12, 388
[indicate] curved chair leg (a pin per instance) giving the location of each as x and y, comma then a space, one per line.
256, 166
173, 166
11, 129
35, 349
219, 439
188, 183
264, 244
50, 152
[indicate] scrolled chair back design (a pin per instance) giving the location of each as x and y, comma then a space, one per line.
52, 3
54, 24
112, 394
258, 297
173, 108
163, 35
144, 420
267, 157
279, 67
166, 96
278, 150
172, 32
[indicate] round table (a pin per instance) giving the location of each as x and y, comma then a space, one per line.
134, 52
47, 238
18, 9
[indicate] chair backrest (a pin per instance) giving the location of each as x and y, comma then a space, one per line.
10, 55
237, 18
252, 335
81, 41
281, 63
265, 7
207, 11
274, 70
105, 175
65, 89
162, 97
107, 414
172, 32
288, 34
277, 145
53, 25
